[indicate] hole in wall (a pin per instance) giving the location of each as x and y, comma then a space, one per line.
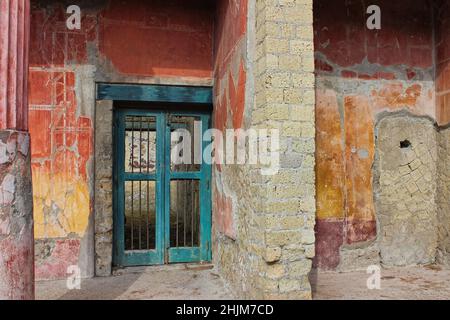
405, 144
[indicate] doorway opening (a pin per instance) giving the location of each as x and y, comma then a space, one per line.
162, 206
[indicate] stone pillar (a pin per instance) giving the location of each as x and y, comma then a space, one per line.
16, 205
285, 100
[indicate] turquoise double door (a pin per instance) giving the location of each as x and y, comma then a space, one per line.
161, 189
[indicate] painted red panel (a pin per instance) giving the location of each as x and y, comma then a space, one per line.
231, 26
41, 144
155, 53
404, 39
229, 91
163, 38
40, 88
237, 96
139, 38
329, 239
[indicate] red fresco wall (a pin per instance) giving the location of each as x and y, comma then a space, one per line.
359, 74
164, 38
125, 41
229, 92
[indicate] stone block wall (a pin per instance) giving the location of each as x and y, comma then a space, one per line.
103, 189
284, 93
266, 243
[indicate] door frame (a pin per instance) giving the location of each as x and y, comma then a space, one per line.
183, 96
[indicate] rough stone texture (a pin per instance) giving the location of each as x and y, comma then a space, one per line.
360, 74
405, 190
443, 197
103, 187
288, 105
16, 217
397, 283
266, 250
233, 224
358, 257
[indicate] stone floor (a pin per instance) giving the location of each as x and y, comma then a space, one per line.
175, 282
184, 282
419, 283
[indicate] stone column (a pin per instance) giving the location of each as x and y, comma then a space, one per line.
285, 100
16, 205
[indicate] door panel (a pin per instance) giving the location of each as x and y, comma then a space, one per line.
138, 172
188, 235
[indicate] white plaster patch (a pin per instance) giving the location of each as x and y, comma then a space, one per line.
11, 147
7, 189
4, 157
24, 143
4, 227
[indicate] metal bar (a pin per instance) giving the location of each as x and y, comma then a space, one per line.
185, 204
177, 210
136, 176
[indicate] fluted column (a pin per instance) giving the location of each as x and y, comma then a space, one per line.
16, 204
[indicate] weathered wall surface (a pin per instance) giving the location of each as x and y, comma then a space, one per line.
405, 190
230, 73
264, 236
359, 74
103, 205
285, 100
16, 217
119, 41
231, 199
